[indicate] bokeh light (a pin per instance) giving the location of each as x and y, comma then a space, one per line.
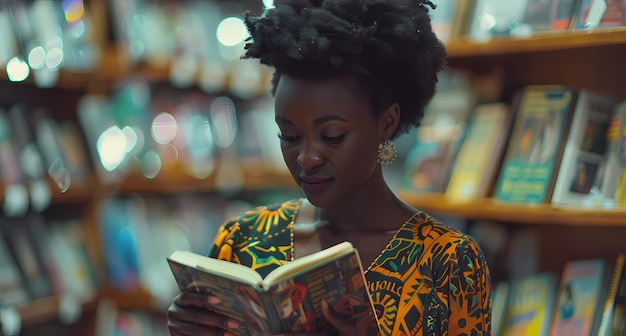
164, 128
17, 69
231, 31
111, 147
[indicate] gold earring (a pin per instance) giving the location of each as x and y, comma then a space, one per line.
387, 152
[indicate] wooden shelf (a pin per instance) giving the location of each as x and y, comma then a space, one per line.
489, 209
46, 309
543, 42
179, 181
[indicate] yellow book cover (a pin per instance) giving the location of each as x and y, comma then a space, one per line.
530, 307
480, 153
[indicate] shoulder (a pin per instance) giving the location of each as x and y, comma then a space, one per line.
439, 240
251, 219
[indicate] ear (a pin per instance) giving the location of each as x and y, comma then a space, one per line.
389, 121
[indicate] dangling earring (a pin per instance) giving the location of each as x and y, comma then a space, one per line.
386, 152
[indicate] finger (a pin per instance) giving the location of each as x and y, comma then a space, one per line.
344, 327
196, 299
201, 317
188, 329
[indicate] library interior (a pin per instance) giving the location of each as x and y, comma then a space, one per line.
130, 129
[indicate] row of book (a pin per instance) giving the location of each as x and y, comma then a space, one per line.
550, 144
139, 129
587, 298
40, 258
482, 20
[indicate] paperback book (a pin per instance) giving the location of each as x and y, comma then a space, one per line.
580, 173
580, 299
535, 148
290, 298
530, 305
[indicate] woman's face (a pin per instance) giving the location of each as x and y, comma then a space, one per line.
329, 137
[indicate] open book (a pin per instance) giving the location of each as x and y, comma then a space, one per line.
289, 298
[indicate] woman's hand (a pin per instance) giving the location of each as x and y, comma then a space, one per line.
192, 314
345, 327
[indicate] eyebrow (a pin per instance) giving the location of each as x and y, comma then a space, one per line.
317, 121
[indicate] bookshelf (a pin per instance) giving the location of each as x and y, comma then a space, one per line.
536, 214
586, 59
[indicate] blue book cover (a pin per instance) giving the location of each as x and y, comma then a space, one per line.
534, 150
580, 298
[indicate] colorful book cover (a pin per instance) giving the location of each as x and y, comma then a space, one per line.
619, 194
584, 157
614, 165
531, 305
291, 304
534, 149
550, 15
480, 153
579, 301
614, 15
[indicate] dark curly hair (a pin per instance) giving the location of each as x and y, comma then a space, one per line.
387, 45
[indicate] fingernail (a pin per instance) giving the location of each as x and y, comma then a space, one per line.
232, 324
214, 300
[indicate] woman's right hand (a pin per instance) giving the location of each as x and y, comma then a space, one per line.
192, 314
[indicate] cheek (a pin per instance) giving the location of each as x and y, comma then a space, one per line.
290, 155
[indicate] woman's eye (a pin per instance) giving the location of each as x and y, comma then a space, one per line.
287, 138
335, 139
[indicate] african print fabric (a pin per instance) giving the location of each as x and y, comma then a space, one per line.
429, 280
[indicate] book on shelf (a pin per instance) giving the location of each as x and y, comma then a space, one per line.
589, 14
550, 15
480, 153
535, 147
617, 279
288, 298
449, 20
437, 140
29, 256
493, 18
530, 305
614, 14
579, 175
13, 290
580, 297
618, 320
618, 164
499, 302
614, 166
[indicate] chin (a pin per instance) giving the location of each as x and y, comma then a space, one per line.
319, 201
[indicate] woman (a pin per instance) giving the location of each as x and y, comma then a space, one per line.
350, 76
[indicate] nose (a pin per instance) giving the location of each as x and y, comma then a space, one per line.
309, 157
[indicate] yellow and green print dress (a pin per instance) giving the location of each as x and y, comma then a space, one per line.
429, 280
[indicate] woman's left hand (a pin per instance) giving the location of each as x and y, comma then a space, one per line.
345, 327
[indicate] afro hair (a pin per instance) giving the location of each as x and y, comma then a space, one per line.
388, 45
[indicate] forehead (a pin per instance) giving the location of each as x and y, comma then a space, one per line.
336, 95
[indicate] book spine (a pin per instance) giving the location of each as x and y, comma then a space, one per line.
607, 312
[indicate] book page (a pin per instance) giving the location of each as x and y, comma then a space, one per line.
339, 283
308, 261
222, 268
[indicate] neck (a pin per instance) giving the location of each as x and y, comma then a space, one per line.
375, 208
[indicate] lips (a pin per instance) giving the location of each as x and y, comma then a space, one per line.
315, 184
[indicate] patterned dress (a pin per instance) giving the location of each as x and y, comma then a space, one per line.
429, 280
